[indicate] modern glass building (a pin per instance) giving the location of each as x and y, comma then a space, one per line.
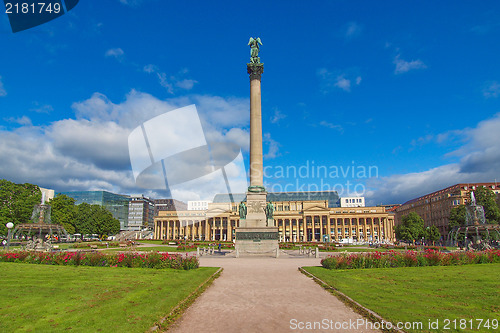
117, 204
141, 211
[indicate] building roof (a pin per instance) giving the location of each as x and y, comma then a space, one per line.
331, 196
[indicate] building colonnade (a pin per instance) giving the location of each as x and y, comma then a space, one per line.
326, 227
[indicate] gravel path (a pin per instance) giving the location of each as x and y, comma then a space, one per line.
256, 294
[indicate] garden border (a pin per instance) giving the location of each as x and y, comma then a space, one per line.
358, 308
166, 322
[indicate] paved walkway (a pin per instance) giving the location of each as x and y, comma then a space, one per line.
256, 294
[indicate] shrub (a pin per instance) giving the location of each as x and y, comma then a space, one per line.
139, 260
429, 257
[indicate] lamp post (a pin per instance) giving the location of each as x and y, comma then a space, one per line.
9, 226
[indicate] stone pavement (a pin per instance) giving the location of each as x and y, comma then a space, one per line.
259, 294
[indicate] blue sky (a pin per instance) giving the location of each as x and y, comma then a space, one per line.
411, 88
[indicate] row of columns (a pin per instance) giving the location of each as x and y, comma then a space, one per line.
217, 228
372, 228
291, 229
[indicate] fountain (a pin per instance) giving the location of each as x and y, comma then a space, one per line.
40, 232
476, 234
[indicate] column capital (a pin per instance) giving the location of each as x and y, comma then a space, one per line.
255, 71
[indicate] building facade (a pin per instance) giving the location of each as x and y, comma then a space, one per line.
117, 204
297, 220
198, 205
352, 202
140, 213
168, 205
434, 208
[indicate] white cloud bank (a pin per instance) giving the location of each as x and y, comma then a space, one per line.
90, 151
479, 161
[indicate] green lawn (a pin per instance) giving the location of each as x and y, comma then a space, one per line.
150, 241
148, 249
414, 294
41, 298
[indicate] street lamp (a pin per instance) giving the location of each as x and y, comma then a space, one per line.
9, 226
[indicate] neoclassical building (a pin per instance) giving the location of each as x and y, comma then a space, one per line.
300, 217
435, 207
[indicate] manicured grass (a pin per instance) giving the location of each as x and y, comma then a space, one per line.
412, 294
150, 241
42, 298
358, 249
161, 249
149, 249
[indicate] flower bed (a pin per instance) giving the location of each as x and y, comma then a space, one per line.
136, 260
412, 247
409, 259
183, 247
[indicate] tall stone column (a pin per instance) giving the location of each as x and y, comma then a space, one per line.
256, 233
256, 195
256, 160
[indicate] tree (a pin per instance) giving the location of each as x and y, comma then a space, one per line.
95, 219
63, 212
432, 234
17, 202
411, 228
457, 216
104, 222
83, 220
487, 198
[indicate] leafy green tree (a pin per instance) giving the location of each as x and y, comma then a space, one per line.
411, 228
63, 212
83, 220
17, 202
95, 219
457, 216
104, 222
432, 234
487, 198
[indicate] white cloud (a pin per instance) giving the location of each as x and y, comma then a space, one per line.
277, 116
115, 53
186, 84
90, 152
332, 126
479, 161
39, 108
150, 68
162, 77
170, 81
273, 146
344, 81
3, 92
492, 90
24, 120
352, 29
403, 66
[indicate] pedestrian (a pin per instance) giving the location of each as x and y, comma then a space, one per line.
220, 246
4, 242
